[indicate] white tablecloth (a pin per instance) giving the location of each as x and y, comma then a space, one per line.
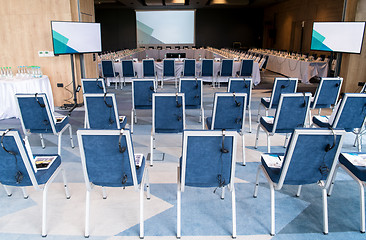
9, 87
179, 69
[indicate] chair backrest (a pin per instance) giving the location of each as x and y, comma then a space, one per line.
327, 92
207, 68
229, 111
168, 68
101, 111
246, 68
93, 85
127, 68
241, 85
142, 90
35, 113
351, 111
291, 112
15, 158
108, 69
148, 68
282, 85
107, 158
208, 159
265, 62
189, 68
311, 156
192, 89
227, 66
168, 115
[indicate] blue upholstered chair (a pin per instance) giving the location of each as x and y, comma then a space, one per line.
169, 71
246, 68
280, 85
227, 67
168, 116
354, 165
109, 72
349, 114
36, 117
189, 68
291, 113
326, 94
229, 113
192, 89
142, 90
311, 158
207, 69
208, 161
241, 85
108, 160
101, 112
18, 169
93, 85
148, 68
128, 71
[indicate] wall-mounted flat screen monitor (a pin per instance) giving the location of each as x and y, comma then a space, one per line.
76, 37
338, 36
165, 27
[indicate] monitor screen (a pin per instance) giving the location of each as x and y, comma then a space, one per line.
165, 27
76, 37
338, 36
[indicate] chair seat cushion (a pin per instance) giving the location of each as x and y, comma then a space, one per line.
209, 122
273, 172
267, 123
265, 101
358, 171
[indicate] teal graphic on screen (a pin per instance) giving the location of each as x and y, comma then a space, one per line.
76, 37
338, 36
165, 27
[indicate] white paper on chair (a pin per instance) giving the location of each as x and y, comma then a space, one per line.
268, 119
273, 160
44, 162
267, 99
356, 159
138, 159
122, 118
323, 119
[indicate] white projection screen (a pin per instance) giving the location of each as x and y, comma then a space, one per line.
338, 36
165, 27
76, 37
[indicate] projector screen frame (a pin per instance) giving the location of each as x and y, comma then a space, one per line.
100, 30
363, 37
172, 45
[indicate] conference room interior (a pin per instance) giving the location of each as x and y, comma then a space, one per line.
233, 29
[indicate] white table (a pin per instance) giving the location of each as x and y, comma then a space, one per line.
9, 87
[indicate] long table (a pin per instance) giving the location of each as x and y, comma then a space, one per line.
9, 87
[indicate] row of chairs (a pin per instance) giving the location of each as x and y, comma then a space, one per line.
169, 69
208, 160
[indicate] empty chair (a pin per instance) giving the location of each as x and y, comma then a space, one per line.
229, 113
142, 90
168, 71
101, 112
108, 160
265, 62
291, 113
280, 85
19, 168
354, 165
36, 117
148, 68
192, 89
128, 70
246, 68
241, 85
208, 160
349, 114
227, 66
93, 85
326, 94
109, 72
189, 68
207, 69
311, 158
168, 116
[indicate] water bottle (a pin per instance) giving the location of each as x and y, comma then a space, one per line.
40, 74
10, 73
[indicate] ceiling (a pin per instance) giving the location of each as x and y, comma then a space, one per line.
183, 4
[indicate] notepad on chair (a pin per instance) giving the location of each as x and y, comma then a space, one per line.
44, 162
60, 119
138, 159
122, 118
273, 160
356, 159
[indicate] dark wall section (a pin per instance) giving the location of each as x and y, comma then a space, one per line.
214, 27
